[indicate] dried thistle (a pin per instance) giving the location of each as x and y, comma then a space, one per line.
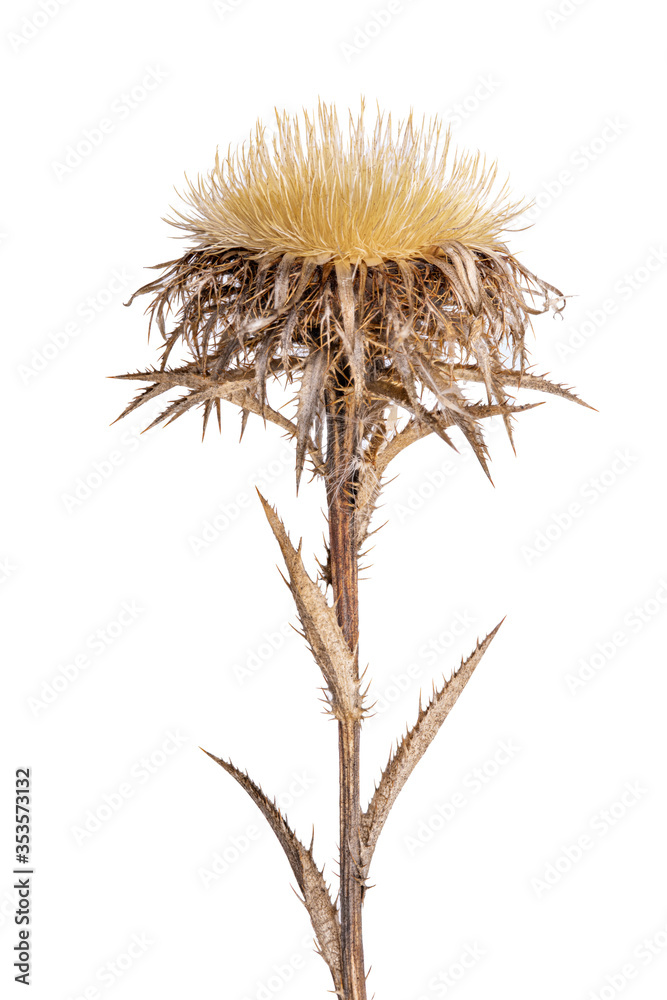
368, 270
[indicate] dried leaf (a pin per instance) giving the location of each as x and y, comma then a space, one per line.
321, 628
491, 370
416, 407
457, 412
519, 380
269, 313
179, 407
150, 392
235, 387
351, 334
310, 397
282, 280
412, 748
310, 879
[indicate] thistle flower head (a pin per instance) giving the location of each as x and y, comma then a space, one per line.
371, 262
316, 190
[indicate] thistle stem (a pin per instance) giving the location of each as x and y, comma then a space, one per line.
342, 443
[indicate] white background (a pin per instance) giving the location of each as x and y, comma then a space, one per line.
572, 105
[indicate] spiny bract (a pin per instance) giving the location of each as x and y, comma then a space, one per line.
364, 261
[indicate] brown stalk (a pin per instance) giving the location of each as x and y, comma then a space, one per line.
341, 484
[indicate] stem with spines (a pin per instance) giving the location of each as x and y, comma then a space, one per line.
342, 450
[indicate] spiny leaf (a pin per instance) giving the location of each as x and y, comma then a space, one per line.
521, 380
208, 407
458, 287
475, 438
465, 262
281, 283
269, 312
350, 332
416, 407
172, 377
412, 748
179, 407
310, 393
490, 370
261, 367
235, 387
454, 408
414, 431
320, 626
446, 391
316, 896
150, 392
